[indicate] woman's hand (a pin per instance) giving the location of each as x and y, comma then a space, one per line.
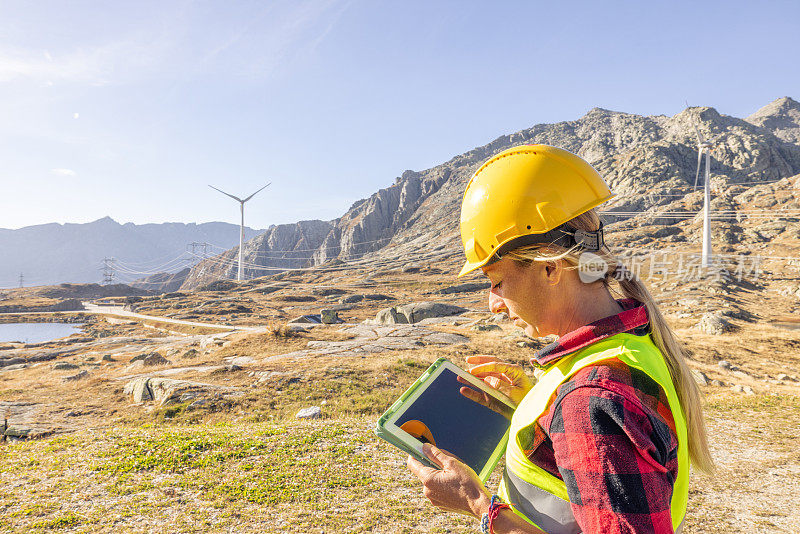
508, 378
453, 488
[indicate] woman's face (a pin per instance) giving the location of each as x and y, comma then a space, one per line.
527, 293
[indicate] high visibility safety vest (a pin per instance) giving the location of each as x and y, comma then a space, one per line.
541, 498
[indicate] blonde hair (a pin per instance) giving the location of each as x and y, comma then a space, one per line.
688, 392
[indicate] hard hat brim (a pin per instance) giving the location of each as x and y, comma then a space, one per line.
469, 267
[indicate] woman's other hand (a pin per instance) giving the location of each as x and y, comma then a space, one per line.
508, 378
453, 488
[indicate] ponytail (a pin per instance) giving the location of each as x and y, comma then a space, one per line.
685, 385
664, 339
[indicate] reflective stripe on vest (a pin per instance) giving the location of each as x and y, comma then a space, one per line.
542, 498
550, 513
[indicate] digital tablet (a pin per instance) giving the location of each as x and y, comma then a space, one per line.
433, 410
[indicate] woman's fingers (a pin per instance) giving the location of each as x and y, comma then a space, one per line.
494, 369
493, 381
420, 470
474, 396
476, 360
439, 456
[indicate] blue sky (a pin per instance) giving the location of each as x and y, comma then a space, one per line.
129, 109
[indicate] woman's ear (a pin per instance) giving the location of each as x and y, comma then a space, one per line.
553, 270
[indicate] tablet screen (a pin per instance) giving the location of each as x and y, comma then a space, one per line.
444, 417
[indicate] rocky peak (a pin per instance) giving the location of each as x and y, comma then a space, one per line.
781, 117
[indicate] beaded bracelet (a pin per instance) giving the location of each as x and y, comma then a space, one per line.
495, 506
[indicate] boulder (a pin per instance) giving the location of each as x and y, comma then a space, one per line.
165, 391
191, 353
416, 311
139, 389
155, 359
16, 433
329, 316
700, 377
4, 362
390, 316
141, 356
238, 361
485, 327
714, 323
312, 412
76, 377
499, 317
64, 366
108, 358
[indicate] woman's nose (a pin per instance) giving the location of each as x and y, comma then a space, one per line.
496, 303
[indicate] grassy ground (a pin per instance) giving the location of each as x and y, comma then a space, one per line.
334, 476
245, 464
250, 466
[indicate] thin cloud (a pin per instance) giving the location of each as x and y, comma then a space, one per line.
64, 172
111, 62
295, 30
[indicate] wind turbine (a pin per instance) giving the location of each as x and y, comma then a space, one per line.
241, 229
705, 146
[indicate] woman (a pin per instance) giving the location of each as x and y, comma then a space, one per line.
602, 442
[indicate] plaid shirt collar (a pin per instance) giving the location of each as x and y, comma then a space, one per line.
633, 317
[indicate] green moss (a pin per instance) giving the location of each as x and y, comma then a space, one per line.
175, 451
63, 521
270, 465
31, 510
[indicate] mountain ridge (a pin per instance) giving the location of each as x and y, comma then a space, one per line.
646, 160
54, 253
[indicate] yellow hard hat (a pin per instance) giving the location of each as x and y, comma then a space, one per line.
523, 196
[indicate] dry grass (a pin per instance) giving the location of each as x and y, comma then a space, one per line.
247, 465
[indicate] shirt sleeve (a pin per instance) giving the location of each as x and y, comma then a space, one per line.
617, 459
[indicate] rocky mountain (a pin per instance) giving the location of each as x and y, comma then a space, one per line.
649, 161
55, 253
163, 282
781, 117
279, 248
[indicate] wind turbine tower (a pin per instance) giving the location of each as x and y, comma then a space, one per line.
241, 229
705, 146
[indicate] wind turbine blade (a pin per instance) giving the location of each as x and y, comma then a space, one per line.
699, 159
254, 194
224, 193
699, 135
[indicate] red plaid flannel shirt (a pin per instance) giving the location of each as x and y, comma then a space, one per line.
609, 435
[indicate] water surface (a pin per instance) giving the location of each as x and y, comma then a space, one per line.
37, 332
